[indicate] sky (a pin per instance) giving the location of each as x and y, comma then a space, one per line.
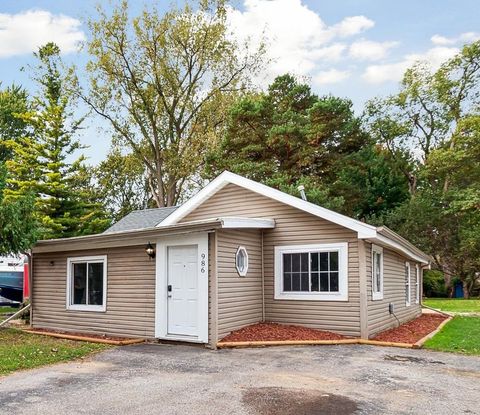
356, 49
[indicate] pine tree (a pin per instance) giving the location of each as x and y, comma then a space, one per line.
41, 162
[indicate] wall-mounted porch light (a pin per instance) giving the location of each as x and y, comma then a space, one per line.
150, 250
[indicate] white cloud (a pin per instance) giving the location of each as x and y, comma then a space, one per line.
331, 76
466, 37
352, 26
435, 56
298, 40
24, 32
369, 50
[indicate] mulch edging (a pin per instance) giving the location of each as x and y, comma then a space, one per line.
271, 332
410, 335
414, 330
91, 338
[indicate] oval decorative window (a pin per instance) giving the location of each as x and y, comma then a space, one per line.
241, 261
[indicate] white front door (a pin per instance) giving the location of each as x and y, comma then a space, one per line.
182, 290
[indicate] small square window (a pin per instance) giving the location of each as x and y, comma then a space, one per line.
241, 261
86, 283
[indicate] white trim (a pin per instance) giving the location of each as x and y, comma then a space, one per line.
341, 295
86, 307
247, 223
377, 295
408, 293
417, 284
161, 272
364, 230
244, 272
397, 247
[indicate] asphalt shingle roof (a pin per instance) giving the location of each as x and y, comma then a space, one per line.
141, 219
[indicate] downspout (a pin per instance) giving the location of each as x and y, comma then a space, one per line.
263, 279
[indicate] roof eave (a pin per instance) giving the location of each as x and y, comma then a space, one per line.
123, 238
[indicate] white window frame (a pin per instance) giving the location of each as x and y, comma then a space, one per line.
80, 260
377, 295
417, 284
408, 283
341, 295
242, 273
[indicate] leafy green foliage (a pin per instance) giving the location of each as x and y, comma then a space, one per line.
163, 83
64, 203
433, 285
432, 129
122, 183
13, 101
289, 136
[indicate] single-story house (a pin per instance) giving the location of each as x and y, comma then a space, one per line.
236, 253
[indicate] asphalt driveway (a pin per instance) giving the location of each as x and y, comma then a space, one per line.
172, 379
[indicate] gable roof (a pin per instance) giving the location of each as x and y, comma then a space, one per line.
365, 231
230, 178
141, 219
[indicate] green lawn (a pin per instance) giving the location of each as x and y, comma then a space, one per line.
457, 305
20, 350
8, 310
460, 335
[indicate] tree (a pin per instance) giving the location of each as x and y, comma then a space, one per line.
122, 183
427, 110
13, 101
288, 136
163, 83
18, 226
434, 119
40, 159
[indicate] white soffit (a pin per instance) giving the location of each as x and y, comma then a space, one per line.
245, 223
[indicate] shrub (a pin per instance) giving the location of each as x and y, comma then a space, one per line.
434, 284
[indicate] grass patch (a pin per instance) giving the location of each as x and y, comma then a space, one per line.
460, 335
20, 350
457, 305
8, 310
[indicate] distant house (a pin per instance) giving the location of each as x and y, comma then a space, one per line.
236, 253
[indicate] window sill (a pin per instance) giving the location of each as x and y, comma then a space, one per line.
377, 296
97, 309
311, 297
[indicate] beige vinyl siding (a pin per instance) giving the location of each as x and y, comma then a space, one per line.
379, 318
293, 227
130, 294
239, 298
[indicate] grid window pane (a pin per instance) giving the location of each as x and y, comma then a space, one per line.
323, 261
295, 262
287, 281
324, 281
334, 281
314, 261
287, 262
304, 262
295, 281
304, 283
314, 278
333, 261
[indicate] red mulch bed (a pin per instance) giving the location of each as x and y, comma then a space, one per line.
275, 331
412, 331
79, 334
